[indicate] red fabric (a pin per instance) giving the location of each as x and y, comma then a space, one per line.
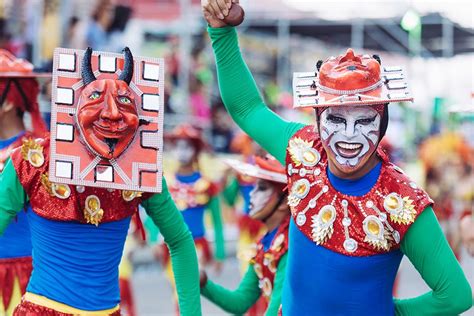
30, 88
391, 180
6, 152
250, 225
9, 270
201, 244
258, 308
265, 262
70, 209
127, 302
29, 309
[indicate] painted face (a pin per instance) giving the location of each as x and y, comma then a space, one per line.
263, 199
184, 151
107, 117
350, 135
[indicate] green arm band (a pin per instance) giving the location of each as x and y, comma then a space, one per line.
275, 299
165, 215
426, 247
12, 196
215, 208
231, 191
237, 301
242, 98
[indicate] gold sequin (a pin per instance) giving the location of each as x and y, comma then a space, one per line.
92, 211
32, 152
322, 226
402, 210
130, 195
297, 147
373, 228
61, 191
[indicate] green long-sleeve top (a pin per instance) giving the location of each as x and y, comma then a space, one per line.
214, 207
247, 293
424, 244
231, 192
160, 207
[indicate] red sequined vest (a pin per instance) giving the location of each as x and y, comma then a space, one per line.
351, 225
265, 263
62, 202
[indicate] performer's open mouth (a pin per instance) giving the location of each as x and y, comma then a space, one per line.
348, 150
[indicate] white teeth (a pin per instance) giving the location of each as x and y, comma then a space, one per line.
349, 145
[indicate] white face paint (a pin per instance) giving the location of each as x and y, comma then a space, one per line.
184, 151
351, 133
259, 199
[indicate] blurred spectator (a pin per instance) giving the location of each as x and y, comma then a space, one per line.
102, 18
221, 132
73, 38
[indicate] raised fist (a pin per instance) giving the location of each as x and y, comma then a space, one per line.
220, 13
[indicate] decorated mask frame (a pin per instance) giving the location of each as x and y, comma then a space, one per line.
107, 120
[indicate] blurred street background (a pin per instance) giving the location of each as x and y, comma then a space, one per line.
433, 40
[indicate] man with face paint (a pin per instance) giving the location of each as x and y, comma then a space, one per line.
266, 272
354, 214
19, 92
193, 193
78, 232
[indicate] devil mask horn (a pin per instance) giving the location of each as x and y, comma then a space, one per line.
127, 72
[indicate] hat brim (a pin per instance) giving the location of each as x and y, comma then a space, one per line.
255, 171
308, 93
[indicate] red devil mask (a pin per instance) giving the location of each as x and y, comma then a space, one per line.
107, 114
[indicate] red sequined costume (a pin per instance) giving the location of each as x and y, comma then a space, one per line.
265, 262
355, 226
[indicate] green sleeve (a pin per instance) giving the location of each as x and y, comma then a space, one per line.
275, 299
165, 215
12, 196
215, 208
237, 301
242, 98
231, 191
426, 247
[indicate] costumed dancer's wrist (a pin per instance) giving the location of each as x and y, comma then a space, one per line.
217, 32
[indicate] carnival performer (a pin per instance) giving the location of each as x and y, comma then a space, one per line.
447, 160
194, 193
19, 90
250, 230
266, 271
78, 231
241, 184
354, 214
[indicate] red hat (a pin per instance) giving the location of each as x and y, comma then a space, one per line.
243, 144
350, 79
188, 132
18, 85
267, 168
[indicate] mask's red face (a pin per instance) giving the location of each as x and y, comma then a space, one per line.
107, 116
